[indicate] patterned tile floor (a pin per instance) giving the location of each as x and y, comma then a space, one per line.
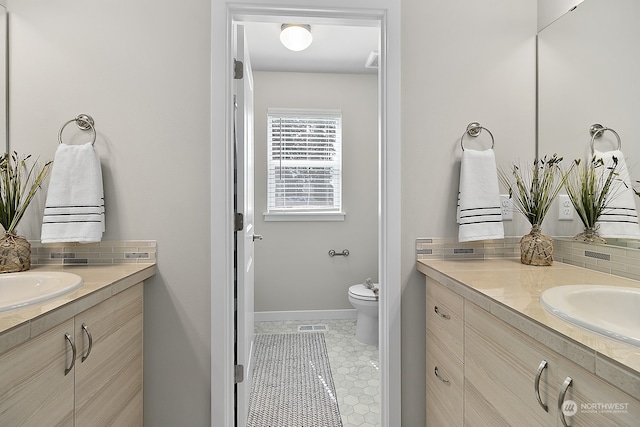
354, 367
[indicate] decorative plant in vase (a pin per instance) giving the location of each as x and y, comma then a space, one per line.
589, 188
19, 183
532, 190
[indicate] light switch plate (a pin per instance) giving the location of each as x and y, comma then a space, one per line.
565, 208
507, 207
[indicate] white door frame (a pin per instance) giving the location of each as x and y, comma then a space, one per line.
387, 12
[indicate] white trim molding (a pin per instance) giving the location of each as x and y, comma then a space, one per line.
385, 14
283, 316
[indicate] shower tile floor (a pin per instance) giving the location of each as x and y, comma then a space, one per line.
354, 367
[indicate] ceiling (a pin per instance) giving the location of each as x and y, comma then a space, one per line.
335, 49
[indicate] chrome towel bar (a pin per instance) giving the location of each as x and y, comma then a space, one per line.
333, 253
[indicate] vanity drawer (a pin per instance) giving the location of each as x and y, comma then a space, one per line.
445, 381
445, 318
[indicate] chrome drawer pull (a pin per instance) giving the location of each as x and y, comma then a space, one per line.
444, 316
563, 392
435, 371
73, 357
536, 384
86, 331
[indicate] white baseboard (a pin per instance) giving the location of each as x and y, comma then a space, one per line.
279, 316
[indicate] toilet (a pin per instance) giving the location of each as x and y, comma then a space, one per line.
366, 304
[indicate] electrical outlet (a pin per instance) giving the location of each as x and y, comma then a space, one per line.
507, 207
565, 208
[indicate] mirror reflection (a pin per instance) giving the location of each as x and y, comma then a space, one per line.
588, 68
4, 128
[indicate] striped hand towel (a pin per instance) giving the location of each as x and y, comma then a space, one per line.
620, 218
74, 210
479, 212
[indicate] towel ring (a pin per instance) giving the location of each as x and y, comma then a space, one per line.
597, 130
474, 129
84, 122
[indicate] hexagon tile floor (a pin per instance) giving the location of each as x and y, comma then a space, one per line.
354, 367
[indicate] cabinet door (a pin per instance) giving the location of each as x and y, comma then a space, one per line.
500, 368
597, 403
445, 380
109, 380
444, 316
34, 390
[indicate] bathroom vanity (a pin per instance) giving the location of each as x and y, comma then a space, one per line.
495, 356
77, 359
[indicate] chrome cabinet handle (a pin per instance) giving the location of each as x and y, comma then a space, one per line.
444, 316
257, 237
563, 392
435, 371
73, 357
85, 328
536, 384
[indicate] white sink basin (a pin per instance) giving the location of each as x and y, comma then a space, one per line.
31, 287
613, 311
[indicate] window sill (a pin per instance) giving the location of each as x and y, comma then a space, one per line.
303, 216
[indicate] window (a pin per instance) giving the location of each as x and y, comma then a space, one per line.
304, 161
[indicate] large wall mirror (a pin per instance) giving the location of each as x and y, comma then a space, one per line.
588, 73
4, 91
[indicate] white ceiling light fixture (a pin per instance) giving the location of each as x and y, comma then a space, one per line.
296, 37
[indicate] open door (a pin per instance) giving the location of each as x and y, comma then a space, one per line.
243, 125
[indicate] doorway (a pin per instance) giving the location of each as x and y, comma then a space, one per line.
324, 88
389, 198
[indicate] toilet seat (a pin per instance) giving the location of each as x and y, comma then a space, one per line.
363, 293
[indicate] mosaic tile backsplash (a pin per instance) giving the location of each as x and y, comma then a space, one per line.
116, 252
619, 257
449, 248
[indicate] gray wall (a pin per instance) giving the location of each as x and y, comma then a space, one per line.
462, 61
142, 69
293, 270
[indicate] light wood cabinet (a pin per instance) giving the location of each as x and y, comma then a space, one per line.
598, 403
105, 385
500, 372
109, 380
34, 390
445, 353
482, 371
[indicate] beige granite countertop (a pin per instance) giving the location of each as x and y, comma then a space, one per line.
511, 291
99, 283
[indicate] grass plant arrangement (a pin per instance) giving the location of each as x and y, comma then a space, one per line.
589, 188
19, 183
534, 188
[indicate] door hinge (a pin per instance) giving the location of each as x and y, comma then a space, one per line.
238, 71
239, 221
238, 373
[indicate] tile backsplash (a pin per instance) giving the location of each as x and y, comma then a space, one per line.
116, 252
449, 248
619, 258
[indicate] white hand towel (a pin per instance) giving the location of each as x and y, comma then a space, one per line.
620, 218
479, 212
74, 211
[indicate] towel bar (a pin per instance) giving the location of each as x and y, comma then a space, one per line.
333, 253
474, 129
84, 122
597, 130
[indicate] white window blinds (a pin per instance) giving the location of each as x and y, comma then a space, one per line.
304, 161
